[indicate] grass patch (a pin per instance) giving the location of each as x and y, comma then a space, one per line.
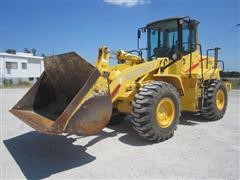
234, 81
235, 85
21, 84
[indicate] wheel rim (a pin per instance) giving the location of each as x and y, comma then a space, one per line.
220, 99
165, 112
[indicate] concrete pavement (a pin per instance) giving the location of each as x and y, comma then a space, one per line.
199, 149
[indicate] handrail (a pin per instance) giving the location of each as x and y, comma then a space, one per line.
216, 49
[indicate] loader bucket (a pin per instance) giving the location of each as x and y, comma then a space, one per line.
70, 97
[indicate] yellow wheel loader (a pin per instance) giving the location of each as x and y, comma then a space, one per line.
72, 96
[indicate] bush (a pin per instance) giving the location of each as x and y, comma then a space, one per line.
8, 83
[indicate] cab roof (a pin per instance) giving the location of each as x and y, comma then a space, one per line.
167, 19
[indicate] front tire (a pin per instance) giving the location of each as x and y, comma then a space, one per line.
156, 111
215, 100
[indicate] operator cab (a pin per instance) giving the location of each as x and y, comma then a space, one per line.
172, 38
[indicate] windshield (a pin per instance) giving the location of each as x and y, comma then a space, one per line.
162, 39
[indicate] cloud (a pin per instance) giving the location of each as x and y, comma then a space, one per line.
127, 3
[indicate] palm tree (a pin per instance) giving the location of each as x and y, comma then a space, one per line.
26, 50
34, 51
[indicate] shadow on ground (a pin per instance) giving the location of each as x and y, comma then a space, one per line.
126, 134
40, 156
130, 137
191, 119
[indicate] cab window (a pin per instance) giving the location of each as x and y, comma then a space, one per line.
162, 39
188, 39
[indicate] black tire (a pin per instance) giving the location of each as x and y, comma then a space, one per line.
116, 118
210, 110
144, 119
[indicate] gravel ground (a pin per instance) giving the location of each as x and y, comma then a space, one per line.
199, 149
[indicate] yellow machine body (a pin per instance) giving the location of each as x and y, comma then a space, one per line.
75, 97
127, 78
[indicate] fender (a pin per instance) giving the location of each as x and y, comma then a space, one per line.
173, 79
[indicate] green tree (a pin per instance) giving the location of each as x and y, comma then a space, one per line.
11, 51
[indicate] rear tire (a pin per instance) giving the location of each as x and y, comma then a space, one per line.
156, 111
215, 100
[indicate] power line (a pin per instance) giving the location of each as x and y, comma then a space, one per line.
229, 49
224, 34
229, 35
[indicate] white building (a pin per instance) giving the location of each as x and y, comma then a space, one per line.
20, 67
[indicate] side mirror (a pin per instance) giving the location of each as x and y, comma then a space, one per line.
144, 29
139, 34
140, 31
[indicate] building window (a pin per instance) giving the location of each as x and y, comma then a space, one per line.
24, 65
11, 65
31, 79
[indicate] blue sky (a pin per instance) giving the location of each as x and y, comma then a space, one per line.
59, 26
